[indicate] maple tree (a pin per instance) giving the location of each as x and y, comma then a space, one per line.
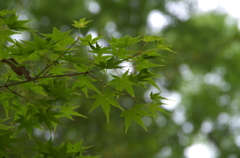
40, 77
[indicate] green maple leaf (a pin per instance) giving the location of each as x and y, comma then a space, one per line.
143, 76
60, 39
135, 114
156, 97
155, 107
89, 39
6, 139
85, 83
124, 41
122, 83
109, 64
48, 117
6, 12
10, 19
58, 35
68, 112
98, 49
152, 38
81, 23
144, 63
106, 99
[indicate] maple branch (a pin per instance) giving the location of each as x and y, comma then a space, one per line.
15, 92
50, 76
17, 68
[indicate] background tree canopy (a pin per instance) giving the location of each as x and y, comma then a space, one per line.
204, 75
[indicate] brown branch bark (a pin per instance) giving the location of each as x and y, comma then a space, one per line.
15, 66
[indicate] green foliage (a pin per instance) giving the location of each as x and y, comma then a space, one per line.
41, 79
65, 150
81, 23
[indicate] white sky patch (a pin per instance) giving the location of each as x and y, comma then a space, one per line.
207, 127
179, 9
93, 32
223, 118
102, 42
186, 72
174, 98
48, 135
234, 123
164, 152
127, 66
231, 7
207, 5
199, 151
38, 132
212, 78
17, 37
187, 127
94, 7
179, 116
110, 28
237, 140
157, 21
23, 15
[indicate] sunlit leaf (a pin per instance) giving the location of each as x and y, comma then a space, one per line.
81, 23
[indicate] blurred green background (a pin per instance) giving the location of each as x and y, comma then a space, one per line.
202, 80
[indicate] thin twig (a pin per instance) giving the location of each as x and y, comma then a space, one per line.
24, 97
114, 88
48, 66
37, 78
140, 52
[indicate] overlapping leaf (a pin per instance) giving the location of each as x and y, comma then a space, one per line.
123, 83
135, 114
124, 41
105, 100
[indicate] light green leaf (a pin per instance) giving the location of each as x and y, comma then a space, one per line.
124, 41
38, 90
155, 107
68, 112
105, 100
81, 23
123, 83
86, 84
5, 104
152, 38
134, 114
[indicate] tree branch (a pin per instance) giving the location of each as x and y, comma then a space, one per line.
37, 78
